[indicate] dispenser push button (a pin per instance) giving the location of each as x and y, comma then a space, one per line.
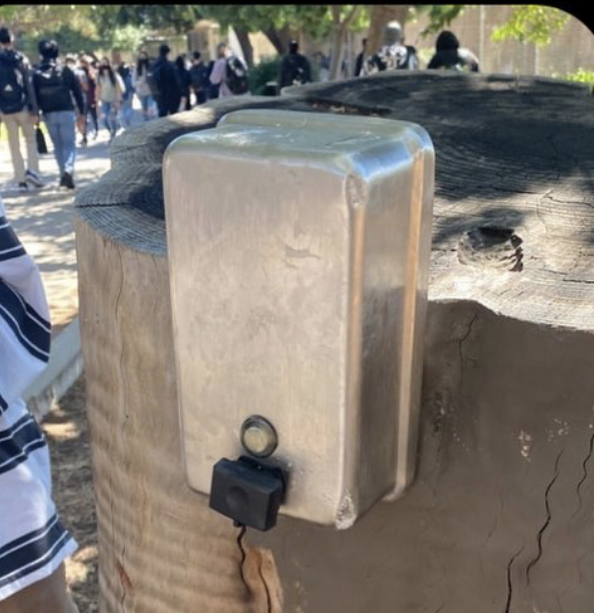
248, 492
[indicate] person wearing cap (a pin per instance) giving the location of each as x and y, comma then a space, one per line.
55, 87
294, 69
165, 84
450, 56
19, 112
393, 55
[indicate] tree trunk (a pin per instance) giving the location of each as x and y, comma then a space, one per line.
273, 36
246, 45
381, 14
280, 38
339, 31
336, 53
500, 515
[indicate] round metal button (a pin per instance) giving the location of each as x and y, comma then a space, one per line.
258, 436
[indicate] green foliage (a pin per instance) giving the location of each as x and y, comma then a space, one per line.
581, 76
69, 40
178, 17
440, 15
265, 71
315, 20
531, 23
128, 38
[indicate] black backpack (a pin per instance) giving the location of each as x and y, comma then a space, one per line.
52, 93
236, 76
13, 95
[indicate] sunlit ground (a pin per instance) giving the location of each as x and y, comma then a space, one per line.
68, 439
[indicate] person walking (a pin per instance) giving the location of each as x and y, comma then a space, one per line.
294, 68
19, 112
229, 73
55, 87
450, 56
89, 88
213, 90
110, 91
393, 55
165, 84
33, 542
125, 73
360, 58
140, 84
72, 62
185, 81
199, 78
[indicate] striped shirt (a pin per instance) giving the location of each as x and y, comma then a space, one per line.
33, 543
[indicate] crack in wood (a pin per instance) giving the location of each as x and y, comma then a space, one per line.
547, 521
585, 475
240, 536
509, 581
268, 598
462, 341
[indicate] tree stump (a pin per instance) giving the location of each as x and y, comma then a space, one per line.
499, 518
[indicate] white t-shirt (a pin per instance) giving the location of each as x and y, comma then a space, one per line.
33, 543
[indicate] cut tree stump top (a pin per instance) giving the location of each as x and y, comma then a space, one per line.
514, 199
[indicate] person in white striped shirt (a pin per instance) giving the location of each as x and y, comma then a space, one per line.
33, 542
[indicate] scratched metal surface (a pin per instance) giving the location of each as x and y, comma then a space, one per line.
299, 250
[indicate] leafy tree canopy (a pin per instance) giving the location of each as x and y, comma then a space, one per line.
531, 23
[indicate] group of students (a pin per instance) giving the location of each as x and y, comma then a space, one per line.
76, 93
395, 55
49, 89
172, 83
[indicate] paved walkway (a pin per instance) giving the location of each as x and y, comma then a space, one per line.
44, 222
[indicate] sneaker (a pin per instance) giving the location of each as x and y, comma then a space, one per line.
23, 186
67, 180
33, 178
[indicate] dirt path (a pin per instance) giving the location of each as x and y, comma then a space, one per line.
68, 439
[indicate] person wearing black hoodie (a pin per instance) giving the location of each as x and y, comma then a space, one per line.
165, 83
18, 111
185, 81
55, 85
450, 56
294, 69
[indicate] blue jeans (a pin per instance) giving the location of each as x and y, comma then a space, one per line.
61, 126
126, 112
109, 117
146, 102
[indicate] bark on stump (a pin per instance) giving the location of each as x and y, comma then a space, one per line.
499, 518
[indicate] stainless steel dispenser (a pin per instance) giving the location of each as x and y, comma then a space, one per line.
299, 248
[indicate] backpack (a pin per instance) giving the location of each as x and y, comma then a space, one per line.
52, 93
236, 76
13, 96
